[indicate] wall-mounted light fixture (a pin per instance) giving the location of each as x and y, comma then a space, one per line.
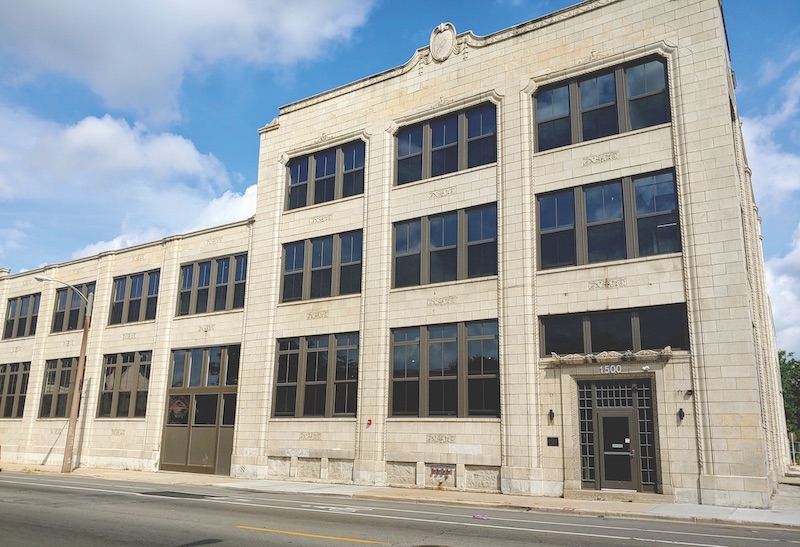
681, 414
551, 415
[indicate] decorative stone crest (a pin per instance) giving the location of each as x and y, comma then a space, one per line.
608, 283
205, 328
440, 439
642, 356
311, 436
129, 336
443, 42
444, 301
443, 192
317, 314
321, 218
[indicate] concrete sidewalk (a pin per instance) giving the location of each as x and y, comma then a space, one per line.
785, 512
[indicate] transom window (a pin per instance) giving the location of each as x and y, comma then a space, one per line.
327, 175
205, 367
626, 218
22, 316
213, 285
13, 389
322, 267
447, 144
135, 297
317, 376
620, 99
446, 370
622, 330
57, 393
71, 308
457, 245
125, 380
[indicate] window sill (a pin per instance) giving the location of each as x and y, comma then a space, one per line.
623, 261
469, 419
313, 419
323, 204
604, 139
444, 283
196, 315
322, 299
135, 323
411, 184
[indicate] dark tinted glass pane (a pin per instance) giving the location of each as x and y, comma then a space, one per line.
650, 110
409, 169
123, 404
314, 403
202, 301
664, 326
195, 367
133, 310
324, 190
405, 361
405, 398
220, 297
443, 397
481, 121
205, 409
444, 265
606, 242
658, 234
557, 211
611, 331
409, 141
482, 151
482, 357
150, 312
297, 196
353, 155
345, 398
646, 78
321, 283
554, 134
61, 406
444, 161
350, 279
141, 403
444, 132
72, 321
183, 303
482, 259
285, 397
406, 271
353, 183
600, 123
596, 92
232, 371
558, 249
563, 334
179, 360
228, 408
116, 313
482, 223
292, 287
214, 366
552, 104
238, 295
47, 402
484, 397
105, 404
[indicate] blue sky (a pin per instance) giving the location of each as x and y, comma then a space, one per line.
124, 122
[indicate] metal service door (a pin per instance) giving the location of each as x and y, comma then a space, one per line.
619, 464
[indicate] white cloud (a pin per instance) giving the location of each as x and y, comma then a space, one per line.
783, 282
103, 178
135, 54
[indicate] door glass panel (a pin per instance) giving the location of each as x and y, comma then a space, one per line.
178, 410
616, 449
205, 409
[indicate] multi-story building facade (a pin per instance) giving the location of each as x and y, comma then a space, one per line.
527, 262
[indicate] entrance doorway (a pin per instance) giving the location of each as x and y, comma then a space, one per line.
618, 449
201, 410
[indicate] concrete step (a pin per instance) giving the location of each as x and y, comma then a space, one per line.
618, 495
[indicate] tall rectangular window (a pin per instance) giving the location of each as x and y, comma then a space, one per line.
57, 392
627, 218
134, 298
317, 376
22, 314
334, 267
335, 173
447, 144
13, 389
124, 387
198, 279
71, 308
457, 245
633, 329
623, 98
446, 370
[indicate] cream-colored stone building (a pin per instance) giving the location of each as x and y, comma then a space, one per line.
528, 262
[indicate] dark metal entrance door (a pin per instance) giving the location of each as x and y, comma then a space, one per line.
201, 410
619, 467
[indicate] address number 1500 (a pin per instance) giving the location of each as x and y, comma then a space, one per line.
610, 369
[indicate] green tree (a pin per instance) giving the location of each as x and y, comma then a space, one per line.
790, 379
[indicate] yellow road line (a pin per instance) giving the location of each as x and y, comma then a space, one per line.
310, 535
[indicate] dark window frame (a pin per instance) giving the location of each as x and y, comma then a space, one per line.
420, 383
16, 324
343, 269
56, 396
70, 308
626, 104
587, 325
14, 378
200, 287
307, 185
129, 307
436, 151
112, 402
554, 240
298, 376
425, 269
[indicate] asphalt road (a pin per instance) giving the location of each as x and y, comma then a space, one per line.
70, 511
